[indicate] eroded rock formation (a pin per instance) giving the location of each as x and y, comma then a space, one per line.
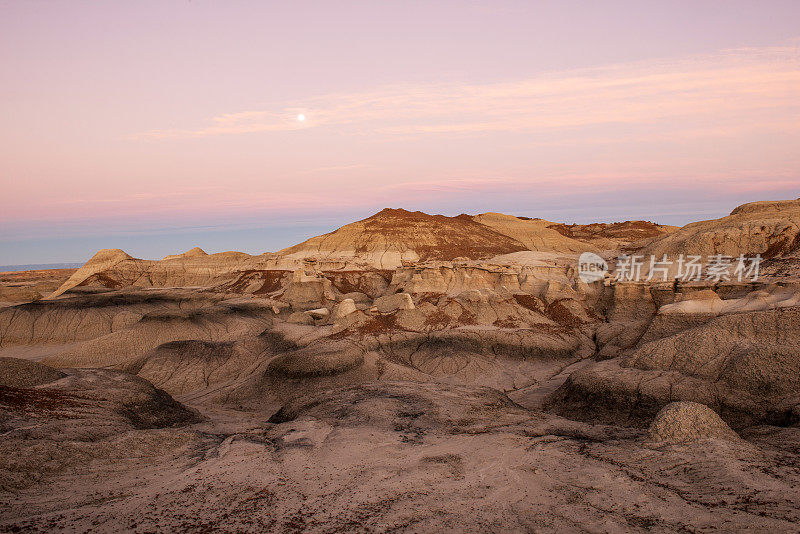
428, 349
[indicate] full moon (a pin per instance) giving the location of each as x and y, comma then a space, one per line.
301, 117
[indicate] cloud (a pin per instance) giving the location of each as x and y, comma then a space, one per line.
718, 89
335, 168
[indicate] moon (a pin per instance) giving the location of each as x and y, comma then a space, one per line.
301, 117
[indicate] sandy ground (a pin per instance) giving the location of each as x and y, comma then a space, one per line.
419, 458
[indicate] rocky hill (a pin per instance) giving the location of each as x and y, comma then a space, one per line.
767, 228
392, 236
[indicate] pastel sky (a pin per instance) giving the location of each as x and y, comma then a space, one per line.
155, 126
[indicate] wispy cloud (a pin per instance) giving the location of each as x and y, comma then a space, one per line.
336, 168
730, 84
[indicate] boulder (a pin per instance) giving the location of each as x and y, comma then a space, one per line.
398, 301
319, 313
344, 308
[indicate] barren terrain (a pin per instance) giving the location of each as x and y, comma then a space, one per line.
414, 373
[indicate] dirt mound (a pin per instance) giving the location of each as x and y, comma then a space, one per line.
106, 401
85, 416
113, 268
679, 422
18, 373
186, 365
122, 347
756, 351
766, 206
315, 361
116, 328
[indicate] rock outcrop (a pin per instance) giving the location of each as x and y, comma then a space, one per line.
196, 252
113, 268
745, 365
768, 229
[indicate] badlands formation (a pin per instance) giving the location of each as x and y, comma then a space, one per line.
416, 373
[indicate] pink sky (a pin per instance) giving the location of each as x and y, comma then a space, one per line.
156, 119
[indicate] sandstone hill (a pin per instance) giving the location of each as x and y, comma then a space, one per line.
771, 229
196, 252
391, 236
114, 268
534, 234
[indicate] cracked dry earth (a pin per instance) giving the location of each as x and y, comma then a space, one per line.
403, 456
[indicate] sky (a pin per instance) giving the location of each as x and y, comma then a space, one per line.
157, 126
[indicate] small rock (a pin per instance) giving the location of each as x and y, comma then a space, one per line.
319, 313
357, 297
